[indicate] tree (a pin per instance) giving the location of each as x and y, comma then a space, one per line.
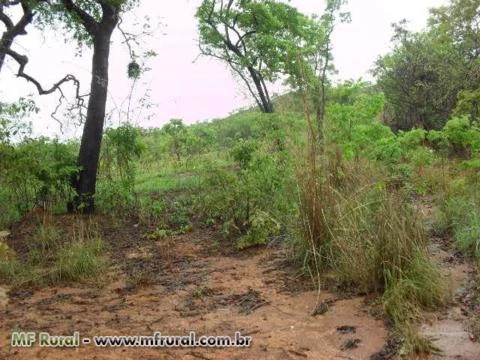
432, 74
421, 79
458, 24
92, 23
314, 61
322, 61
177, 132
11, 120
257, 39
12, 28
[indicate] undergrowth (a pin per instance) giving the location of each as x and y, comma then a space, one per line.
55, 256
363, 231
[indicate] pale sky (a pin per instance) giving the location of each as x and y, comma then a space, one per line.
181, 84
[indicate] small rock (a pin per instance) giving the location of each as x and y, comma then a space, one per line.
321, 309
346, 329
350, 344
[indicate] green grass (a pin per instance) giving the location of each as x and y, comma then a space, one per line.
44, 244
14, 273
52, 259
79, 262
147, 183
419, 286
459, 213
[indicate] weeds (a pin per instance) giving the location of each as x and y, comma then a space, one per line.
251, 202
15, 273
460, 214
44, 244
80, 258
79, 262
371, 240
53, 257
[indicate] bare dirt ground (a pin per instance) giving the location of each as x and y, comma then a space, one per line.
193, 283
453, 329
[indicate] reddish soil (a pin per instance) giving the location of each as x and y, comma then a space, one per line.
192, 283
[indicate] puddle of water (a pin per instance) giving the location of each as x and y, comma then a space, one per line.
454, 341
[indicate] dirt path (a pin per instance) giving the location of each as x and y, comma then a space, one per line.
452, 328
187, 284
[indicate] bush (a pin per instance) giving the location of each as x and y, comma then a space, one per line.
34, 172
115, 194
249, 201
458, 136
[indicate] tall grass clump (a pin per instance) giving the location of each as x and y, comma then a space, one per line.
460, 214
78, 262
365, 234
80, 259
44, 244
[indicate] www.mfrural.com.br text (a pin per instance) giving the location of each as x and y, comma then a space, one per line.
22, 339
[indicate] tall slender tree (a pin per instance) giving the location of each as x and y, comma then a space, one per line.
93, 23
255, 38
314, 66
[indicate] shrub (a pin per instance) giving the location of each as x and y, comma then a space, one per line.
249, 201
14, 272
115, 194
463, 138
34, 172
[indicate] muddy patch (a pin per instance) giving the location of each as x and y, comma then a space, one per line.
453, 330
247, 302
188, 289
452, 337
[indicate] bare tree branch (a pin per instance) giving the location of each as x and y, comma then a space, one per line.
6, 41
5, 19
22, 61
13, 30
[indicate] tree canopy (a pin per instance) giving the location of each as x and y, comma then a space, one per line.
259, 40
433, 74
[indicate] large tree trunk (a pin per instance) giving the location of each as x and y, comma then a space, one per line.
89, 154
266, 103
